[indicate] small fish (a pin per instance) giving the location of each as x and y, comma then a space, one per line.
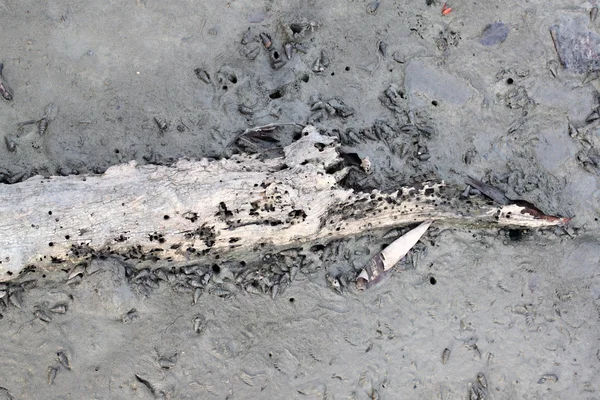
62, 358
390, 256
4, 89
52, 371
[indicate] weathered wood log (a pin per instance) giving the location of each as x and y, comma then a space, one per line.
221, 209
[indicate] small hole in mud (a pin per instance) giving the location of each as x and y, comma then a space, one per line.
347, 69
434, 103
166, 217
51, 244
233, 79
509, 81
117, 151
432, 280
225, 88
49, 212
292, 300
515, 234
276, 94
67, 237
44, 275
216, 269
9, 273
243, 263
333, 74
304, 78
97, 369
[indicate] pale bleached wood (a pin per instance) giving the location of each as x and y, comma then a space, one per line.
161, 214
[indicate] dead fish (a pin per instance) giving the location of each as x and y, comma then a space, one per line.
62, 358
382, 48
4, 89
52, 371
390, 256
202, 75
373, 7
266, 40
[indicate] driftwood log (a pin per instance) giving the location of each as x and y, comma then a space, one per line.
212, 210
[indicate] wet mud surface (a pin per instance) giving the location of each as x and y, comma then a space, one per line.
480, 91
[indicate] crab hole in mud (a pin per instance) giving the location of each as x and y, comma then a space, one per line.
304, 78
216, 269
291, 300
432, 280
509, 81
515, 235
276, 94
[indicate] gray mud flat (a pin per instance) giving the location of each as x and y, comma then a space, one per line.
155, 82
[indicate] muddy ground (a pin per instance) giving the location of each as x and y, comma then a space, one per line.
127, 81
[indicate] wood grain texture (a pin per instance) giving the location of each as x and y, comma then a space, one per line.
213, 210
